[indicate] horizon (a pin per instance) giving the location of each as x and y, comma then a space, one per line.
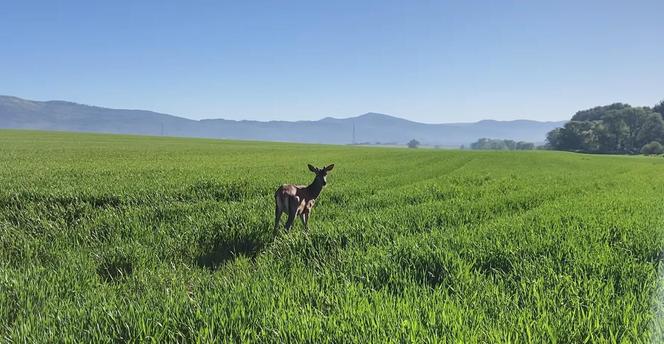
430, 63
335, 117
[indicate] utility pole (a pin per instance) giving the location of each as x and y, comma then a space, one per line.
354, 132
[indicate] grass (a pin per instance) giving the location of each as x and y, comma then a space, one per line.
108, 238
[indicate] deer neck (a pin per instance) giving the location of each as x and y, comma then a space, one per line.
315, 188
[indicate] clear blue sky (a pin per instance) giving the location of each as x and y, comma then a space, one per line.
430, 61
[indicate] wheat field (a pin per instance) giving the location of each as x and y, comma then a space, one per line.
107, 238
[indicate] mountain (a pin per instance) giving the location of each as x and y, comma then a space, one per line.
19, 113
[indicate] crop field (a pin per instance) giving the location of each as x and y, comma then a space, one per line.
107, 238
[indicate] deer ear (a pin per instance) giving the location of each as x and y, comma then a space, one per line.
312, 169
329, 168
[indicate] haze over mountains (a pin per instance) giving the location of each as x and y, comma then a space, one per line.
372, 128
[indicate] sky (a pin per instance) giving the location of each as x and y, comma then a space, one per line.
428, 61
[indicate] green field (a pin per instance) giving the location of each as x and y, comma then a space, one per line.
106, 238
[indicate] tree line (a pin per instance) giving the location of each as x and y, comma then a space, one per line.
616, 129
497, 144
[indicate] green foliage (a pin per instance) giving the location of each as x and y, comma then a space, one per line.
652, 148
617, 128
109, 238
597, 113
522, 145
659, 108
497, 144
413, 143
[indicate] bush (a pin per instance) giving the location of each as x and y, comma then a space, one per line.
413, 143
652, 148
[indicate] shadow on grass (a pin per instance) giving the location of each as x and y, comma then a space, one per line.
494, 264
115, 271
227, 249
232, 191
21, 199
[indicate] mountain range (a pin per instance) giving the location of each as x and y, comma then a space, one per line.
17, 113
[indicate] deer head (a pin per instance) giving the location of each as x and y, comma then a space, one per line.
321, 173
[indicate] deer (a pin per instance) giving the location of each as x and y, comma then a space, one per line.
298, 200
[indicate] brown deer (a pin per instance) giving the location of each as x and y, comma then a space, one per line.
297, 200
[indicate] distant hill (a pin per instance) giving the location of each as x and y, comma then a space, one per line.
369, 128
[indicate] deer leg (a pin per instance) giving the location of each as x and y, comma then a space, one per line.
292, 211
305, 220
277, 217
291, 217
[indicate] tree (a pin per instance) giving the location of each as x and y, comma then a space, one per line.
521, 145
554, 138
651, 130
652, 148
487, 144
413, 143
659, 108
635, 118
613, 134
574, 136
598, 112
497, 144
616, 128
